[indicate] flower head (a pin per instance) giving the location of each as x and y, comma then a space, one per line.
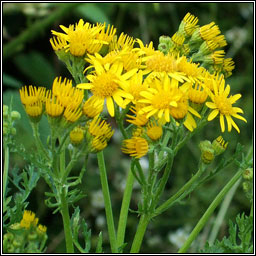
188, 25
80, 37
136, 147
222, 105
161, 98
76, 135
107, 83
100, 128
154, 131
28, 219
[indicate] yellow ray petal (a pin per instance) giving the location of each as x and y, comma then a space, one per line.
84, 86
213, 114
239, 117
110, 106
167, 115
222, 124
211, 105
235, 126
229, 121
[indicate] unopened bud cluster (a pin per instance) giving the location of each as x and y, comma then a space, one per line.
210, 150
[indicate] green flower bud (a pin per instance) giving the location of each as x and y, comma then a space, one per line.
13, 131
5, 110
165, 40
5, 124
5, 131
15, 115
207, 152
17, 243
219, 145
248, 174
246, 186
32, 236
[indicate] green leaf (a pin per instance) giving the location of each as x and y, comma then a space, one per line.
36, 67
99, 244
93, 12
11, 81
242, 230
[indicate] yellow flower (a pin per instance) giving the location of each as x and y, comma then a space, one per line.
159, 99
53, 107
31, 95
66, 93
80, 37
146, 50
209, 31
188, 25
41, 229
197, 94
107, 35
100, 128
138, 119
154, 131
123, 41
216, 57
192, 70
160, 64
130, 59
72, 115
222, 105
35, 110
136, 147
76, 135
92, 108
107, 83
58, 43
98, 143
28, 219
105, 61
135, 86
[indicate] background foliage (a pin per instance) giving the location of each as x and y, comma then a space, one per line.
29, 59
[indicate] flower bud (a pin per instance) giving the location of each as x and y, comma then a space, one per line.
15, 115
246, 186
248, 174
219, 145
13, 131
5, 110
76, 136
207, 152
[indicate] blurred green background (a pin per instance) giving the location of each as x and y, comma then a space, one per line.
29, 59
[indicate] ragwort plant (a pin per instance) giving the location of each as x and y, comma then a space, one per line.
159, 99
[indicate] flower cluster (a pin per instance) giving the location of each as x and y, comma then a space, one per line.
64, 106
27, 236
172, 84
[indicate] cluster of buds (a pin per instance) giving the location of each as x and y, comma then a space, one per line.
248, 183
210, 150
9, 117
201, 44
26, 236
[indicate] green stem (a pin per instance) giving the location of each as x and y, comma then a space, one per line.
38, 141
168, 203
141, 229
6, 168
164, 180
125, 209
107, 201
66, 223
222, 212
12, 47
209, 211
